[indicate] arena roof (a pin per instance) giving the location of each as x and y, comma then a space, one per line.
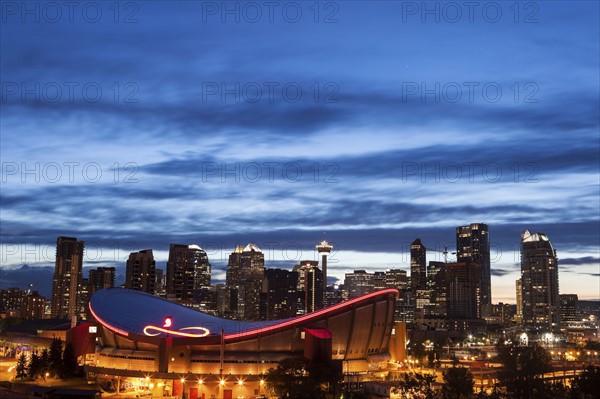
128, 312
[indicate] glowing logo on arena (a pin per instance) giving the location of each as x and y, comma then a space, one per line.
153, 331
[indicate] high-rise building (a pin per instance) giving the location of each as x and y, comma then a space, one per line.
188, 270
160, 283
358, 283
463, 300
324, 249
379, 281
140, 271
418, 274
539, 279
397, 278
418, 270
501, 314
33, 306
473, 245
100, 278
279, 297
245, 273
310, 287
568, 308
25, 304
83, 299
67, 277
332, 296
436, 287
519, 287
11, 301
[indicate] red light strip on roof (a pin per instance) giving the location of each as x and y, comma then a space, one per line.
105, 324
310, 316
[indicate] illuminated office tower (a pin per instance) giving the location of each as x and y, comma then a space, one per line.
188, 270
358, 283
539, 279
83, 298
473, 245
418, 271
310, 287
100, 278
279, 297
140, 272
397, 278
462, 296
418, 274
519, 287
436, 287
324, 248
569, 309
33, 306
67, 277
244, 278
11, 302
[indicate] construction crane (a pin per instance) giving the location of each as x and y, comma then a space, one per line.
444, 252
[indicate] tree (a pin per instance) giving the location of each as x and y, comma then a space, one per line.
35, 366
522, 372
416, 386
417, 350
69, 362
21, 366
585, 385
458, 383
299, 378
431, 359
44, 362
55, 358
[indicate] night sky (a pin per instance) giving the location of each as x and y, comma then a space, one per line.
134, 125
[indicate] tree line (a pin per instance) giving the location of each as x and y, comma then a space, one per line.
54, 362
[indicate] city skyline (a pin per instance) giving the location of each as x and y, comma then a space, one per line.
152, 126
219, 267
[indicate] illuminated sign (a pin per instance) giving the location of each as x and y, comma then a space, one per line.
153, 331
168, 322
92, 329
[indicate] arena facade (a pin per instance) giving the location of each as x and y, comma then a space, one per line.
147, 343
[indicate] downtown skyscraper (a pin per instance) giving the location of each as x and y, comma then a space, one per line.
67, 277
244, 278
418, 273
310, 286
140, 272
473, 246
539, 283
188, 271
101, 278
418, 266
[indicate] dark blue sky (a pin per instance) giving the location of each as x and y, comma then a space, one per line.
147, 123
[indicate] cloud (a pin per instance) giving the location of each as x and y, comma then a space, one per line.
579, 261
398, 165
500, 272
